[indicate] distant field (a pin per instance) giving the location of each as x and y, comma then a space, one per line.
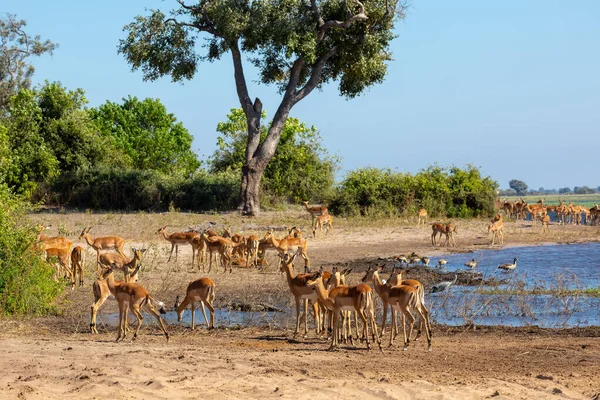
587, 200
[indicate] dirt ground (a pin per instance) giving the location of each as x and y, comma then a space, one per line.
56, 357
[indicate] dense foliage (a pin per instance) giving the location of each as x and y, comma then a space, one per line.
128, 189
27, 283
48, 132
451, 192
300, 169
149, 137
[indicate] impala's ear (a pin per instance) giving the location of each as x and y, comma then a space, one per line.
347, 271
381, 268
321, 269
133, 249
143, 250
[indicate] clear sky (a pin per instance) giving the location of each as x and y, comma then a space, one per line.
512, 87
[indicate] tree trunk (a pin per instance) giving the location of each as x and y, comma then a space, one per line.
250, 190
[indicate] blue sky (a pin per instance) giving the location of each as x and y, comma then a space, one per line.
512, 87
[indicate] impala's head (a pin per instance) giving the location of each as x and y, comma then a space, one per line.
369, 274
133, 275
84, 232
105, 272
315, 279
161, 230
176, 307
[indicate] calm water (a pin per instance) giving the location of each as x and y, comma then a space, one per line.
575, 266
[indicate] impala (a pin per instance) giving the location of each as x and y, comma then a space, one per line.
447, 230
202, 290
102, 292
535, 210
545, 220
422, 217
132, 295
347, 298
102, 243
301, 292
176, 239
77, 263
122, 263
497, 228
282, 246
63, 263
321, 221
252, 245
395, 279
315, 211
220, 245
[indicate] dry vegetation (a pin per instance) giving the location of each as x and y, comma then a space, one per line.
266, 361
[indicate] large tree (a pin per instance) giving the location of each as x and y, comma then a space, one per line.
16, 48
297, 45
519, 186
300, 169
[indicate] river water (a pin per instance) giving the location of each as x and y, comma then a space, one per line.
553, 267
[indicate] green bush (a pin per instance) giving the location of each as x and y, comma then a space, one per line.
27, 283
452, 192
117, 189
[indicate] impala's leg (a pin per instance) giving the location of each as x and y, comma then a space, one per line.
170, 254
335, 335
152, 311
297, 316
176, 251
122, 310
193, 314
411, 321
97, 304
371, 315
392, 326
385, 309
305, 317
424, 313
136, 311
204, 313
363, 318
317, 315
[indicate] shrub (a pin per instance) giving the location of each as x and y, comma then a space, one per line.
27, 283
114, 189
452, 192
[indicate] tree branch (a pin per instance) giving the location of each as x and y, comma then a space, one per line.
324, 27
240, 79
315, 76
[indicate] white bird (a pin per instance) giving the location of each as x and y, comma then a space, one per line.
442, 263
509, 267
472, 264
425, 261
443, 286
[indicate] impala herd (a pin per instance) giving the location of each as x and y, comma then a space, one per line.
330, 298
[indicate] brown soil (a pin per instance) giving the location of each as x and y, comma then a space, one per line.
56, 356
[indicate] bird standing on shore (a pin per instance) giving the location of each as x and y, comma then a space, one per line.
472, 264
443, 286
509, 267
